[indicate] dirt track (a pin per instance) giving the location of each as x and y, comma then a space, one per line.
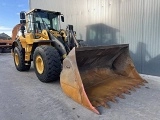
24, 97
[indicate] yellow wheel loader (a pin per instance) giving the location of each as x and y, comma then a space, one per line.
91, 76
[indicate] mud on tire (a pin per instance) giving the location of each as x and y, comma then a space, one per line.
47, 63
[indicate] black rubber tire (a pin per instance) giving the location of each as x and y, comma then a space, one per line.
52, 63
21, 66
1, 50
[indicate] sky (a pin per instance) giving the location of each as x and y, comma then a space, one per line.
9, 14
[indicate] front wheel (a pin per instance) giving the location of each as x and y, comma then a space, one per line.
47, 63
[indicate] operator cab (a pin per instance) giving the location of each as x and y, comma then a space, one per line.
36, 20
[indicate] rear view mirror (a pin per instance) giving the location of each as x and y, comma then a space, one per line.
22, 15
62, 18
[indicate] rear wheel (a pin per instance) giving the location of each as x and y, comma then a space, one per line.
19, 60
47, 63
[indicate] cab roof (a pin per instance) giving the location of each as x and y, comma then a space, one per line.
35, 10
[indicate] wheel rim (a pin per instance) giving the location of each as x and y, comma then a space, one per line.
39, 64
16, 59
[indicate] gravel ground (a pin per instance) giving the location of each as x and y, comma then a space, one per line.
24, 97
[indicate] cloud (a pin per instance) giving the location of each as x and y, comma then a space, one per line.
6, 5
6, 30
21, 5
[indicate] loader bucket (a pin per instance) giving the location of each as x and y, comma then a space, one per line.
93, 76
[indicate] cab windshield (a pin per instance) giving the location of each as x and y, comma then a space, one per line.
46, 20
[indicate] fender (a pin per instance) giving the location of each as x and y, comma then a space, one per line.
17, 43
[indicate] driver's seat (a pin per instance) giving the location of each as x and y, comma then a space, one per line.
37, 27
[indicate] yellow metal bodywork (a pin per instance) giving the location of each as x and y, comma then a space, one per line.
29, 39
